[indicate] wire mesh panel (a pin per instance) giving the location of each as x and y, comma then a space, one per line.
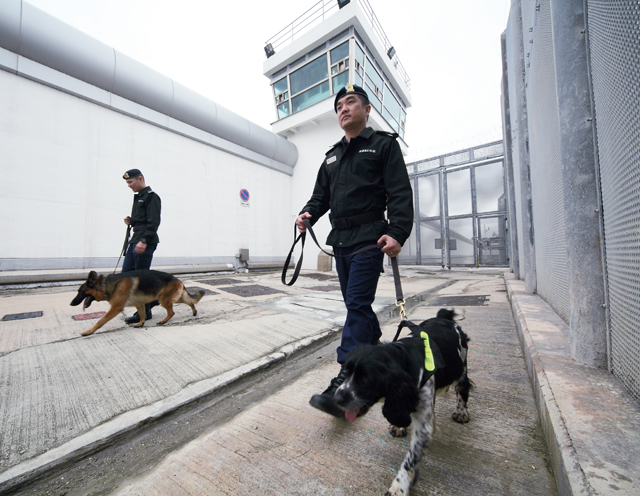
546, 170
614, 35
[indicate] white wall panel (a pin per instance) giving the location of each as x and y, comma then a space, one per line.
63, 196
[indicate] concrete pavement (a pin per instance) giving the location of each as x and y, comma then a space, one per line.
63, 396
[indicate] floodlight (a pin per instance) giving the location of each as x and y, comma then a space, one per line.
391, 52
342, 3
268, 49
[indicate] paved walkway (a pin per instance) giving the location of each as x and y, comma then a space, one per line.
61, 395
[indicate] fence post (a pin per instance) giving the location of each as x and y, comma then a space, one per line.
587, 321
526, 207
514, 256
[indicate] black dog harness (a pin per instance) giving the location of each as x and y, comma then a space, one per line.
433, 360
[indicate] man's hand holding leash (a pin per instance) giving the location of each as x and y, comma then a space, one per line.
300, 221
391, 247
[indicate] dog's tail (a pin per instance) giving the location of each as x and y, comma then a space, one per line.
192, 299
443, 313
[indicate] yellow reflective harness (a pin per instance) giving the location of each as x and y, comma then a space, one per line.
429, 362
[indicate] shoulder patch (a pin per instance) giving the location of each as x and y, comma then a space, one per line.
390, 135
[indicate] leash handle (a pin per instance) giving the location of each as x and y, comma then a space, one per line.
296, 272
302, 237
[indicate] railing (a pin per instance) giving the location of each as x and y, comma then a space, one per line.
317, 14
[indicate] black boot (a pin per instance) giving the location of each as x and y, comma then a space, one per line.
325, 401
135, 318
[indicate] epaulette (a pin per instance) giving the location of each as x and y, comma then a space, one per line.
390, 135
332, 148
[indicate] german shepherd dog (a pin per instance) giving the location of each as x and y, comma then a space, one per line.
134, 289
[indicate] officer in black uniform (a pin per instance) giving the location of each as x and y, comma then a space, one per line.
145, 219
362, 176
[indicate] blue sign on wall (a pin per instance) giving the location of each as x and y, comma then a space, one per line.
244, 195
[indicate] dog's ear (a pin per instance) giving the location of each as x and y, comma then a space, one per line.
401, 400
92, 279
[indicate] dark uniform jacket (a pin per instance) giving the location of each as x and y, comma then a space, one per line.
145, 217
365, 175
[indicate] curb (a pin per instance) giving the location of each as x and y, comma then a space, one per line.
570, 477
102, 435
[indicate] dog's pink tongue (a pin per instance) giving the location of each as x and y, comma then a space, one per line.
351, 415
84, 303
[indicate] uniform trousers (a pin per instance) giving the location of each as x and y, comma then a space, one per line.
358, 277
138, 261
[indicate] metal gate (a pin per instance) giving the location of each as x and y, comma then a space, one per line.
460, 209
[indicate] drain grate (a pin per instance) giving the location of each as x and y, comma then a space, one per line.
222, 281
251, 290
88, 316
460, 301
21, 316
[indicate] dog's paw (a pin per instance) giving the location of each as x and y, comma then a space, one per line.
461, 416
402, 483
397, 431
87, 333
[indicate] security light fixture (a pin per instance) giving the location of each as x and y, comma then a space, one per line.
268, 49
391, 52
342, 3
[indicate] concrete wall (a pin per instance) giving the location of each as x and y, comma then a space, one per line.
63, 198
553, 148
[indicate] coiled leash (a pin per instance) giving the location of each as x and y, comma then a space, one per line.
400, 301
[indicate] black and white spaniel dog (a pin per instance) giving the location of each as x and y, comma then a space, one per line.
409, 373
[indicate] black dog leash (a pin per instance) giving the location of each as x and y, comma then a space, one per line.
302, 237
400, 301
124, 247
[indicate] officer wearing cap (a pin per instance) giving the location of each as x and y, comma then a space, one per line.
144, 219
362, 176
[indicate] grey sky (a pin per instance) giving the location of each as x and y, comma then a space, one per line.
450, 49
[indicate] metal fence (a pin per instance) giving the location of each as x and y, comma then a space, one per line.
571, 107
460, 214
